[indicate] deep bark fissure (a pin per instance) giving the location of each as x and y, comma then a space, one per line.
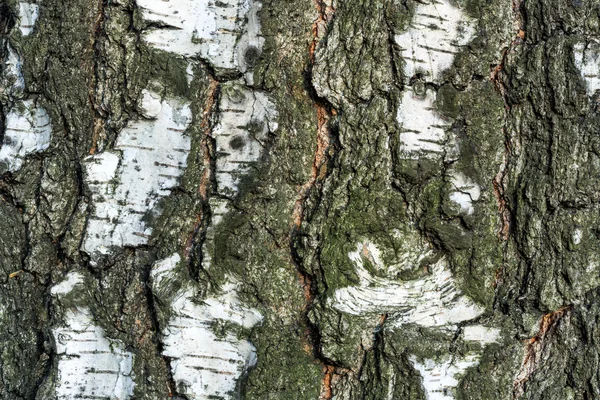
208, 183
320, 169
498, 77
356, 169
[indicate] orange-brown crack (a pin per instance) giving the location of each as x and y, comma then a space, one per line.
319, 168
306, 283
382, 319
189, 242
203, 189
98, 127
206, 127
332, 374
324, 13
366, 254
326, 391
498, 277
319, 26
548, 321
331, 377
318, 172
535, 347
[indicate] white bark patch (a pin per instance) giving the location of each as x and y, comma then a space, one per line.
440, 377
28, 14
465, 192
219, 208
436, 34
245, 119
212, 30
433, 301
481, 334
13, 71
587, 60
203, 364
28, 131
429, 46
189, 73
151, 104
577, 236
66, 286
125, 187
89, 365
250, 44
423, 129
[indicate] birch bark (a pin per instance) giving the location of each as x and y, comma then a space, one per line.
309, 199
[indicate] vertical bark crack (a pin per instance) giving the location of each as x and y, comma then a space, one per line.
197, 238
324, 153
497, 76
536, 347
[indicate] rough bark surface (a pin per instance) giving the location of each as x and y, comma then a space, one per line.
300, 199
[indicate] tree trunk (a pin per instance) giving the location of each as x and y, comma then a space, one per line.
300, 199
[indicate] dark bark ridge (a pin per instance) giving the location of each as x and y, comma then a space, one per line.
318, 173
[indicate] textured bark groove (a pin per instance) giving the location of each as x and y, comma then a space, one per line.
309, 199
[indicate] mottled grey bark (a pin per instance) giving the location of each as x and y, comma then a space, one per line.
300, 199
